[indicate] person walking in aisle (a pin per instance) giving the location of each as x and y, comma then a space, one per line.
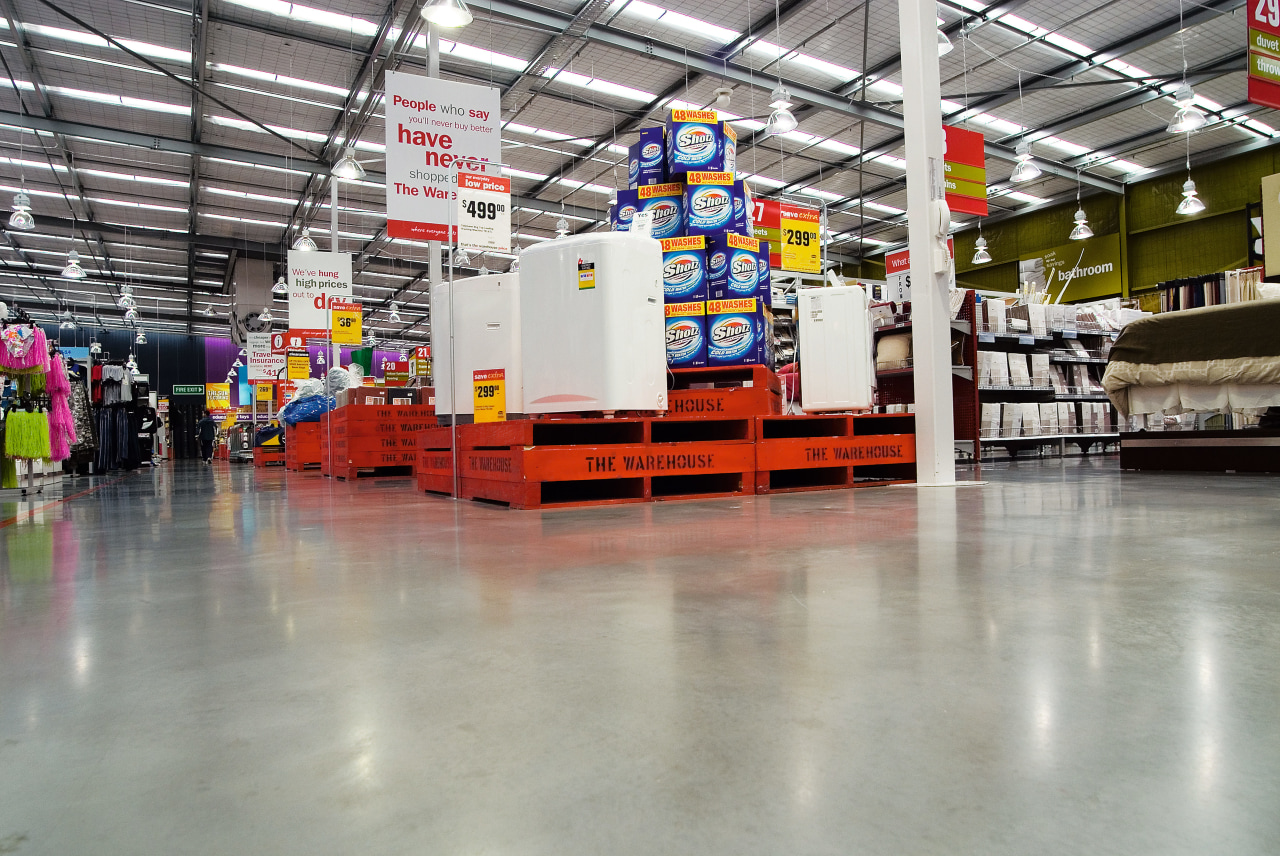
207, 429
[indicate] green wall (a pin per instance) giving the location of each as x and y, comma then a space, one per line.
1156, 244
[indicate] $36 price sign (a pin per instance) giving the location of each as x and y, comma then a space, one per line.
484, 212
348, 328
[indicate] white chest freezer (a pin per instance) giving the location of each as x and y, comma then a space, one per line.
834, 342
486, 325
592, 324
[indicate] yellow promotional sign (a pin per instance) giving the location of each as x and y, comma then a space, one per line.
489, 395
801, 248
217, 396
298, 365
347, 323
266, 391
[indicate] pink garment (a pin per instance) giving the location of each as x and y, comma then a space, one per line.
23, 348
62, 425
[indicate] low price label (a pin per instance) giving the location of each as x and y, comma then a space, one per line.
348, 328
484, 212
801, 249
489, 395
299, 365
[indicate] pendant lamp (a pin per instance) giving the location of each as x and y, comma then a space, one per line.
281, 287
21, 218
980, 254
1191, 203
73, 269
304, 242
348, 168
266, 315
140, 339
447, 13
394, 316
1189, 117
781, 120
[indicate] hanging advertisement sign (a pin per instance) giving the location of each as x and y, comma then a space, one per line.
217, 397
299, 365
314, 279
263, 364
1264, 52
966, 171
897, 275
801, 247
347, 323
1080, 270
489, 395
395, 372
420, 363
433, 127
484, 212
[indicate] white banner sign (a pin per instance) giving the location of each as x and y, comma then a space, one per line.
434, 126
484, 212
263, 364
314, 279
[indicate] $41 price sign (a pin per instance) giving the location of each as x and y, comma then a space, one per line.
484, 212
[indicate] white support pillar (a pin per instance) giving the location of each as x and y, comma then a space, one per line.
336, 356
926, 217
435, 264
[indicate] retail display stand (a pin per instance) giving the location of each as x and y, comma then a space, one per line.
371, 439
724, 391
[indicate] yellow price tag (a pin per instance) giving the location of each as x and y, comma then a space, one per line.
299, 365
801, 249
489, 395
347, 323
266, 391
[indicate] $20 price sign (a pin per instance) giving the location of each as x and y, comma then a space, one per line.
484, 212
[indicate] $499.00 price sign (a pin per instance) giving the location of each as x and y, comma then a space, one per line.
484, 212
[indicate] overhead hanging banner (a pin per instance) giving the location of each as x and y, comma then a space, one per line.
433, 127
1264, 52
315, 279
484, 212
966, 171
263, 363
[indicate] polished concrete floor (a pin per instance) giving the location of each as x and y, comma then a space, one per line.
1069, 660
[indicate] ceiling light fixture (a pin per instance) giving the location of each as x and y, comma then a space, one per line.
68, 321
73, 269
348, 168
21, 218
281, 287
1189, 117
562, 227
723, 95
515, 263
140, 339
304, 242
265, 317
394, 317
944, 44
460, 257
237, 364
1190, 203
446, 13
320, 358
131, 314
208, 310
781, 120
980, 254
95, 347
1025, 170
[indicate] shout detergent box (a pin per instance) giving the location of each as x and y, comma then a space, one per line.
684, 269
666, 201
714, 203
765, 275
698, 142
733, 262
687, 334
647, 161
623, 210
735, 332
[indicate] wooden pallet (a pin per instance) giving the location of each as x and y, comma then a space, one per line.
264, 457
573, 462
302, 446
728, 391
372, 440
797, 453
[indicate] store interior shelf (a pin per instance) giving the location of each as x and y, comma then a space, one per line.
1027, 390
965, 372
1027, 340
1077, 358
1081, 396
959, 325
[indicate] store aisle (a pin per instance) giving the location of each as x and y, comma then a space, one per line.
237, 661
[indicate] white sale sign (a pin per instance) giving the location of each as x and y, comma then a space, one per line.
314, 279
484, 212
435, 128
263, 365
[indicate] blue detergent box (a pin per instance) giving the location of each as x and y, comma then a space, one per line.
623, 210
687, 334
698, 142
666, 202
736, 332
733, 263
647, 159
764, 272
684, 269
714, 203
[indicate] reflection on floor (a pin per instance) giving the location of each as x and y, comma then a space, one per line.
230, 660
